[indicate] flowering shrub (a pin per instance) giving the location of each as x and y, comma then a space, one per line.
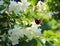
27, 23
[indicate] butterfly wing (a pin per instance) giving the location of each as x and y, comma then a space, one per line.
40, 20
37, 21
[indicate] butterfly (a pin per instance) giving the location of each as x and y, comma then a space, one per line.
38, 21
17, 0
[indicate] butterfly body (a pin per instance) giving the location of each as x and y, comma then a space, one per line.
38, 21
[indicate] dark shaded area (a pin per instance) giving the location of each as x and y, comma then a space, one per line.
17, 0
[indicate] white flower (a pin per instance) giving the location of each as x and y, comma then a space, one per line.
34, 24
1, 2
23, 1
14, 6
15, 34
43, 41
3, 37
18, 6
29, 33
18, 32
55, 12
41, 6
37, 31
25, 22
14, 40
22, 32
33, 32
52, 13
24, 5
13, 37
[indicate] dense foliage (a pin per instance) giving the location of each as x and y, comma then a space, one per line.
29, 23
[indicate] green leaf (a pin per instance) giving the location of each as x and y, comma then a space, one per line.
48, 43
39, 42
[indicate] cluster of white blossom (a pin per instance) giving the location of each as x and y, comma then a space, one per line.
33, 31
30, 32
18, 6
15, 34
41, 6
